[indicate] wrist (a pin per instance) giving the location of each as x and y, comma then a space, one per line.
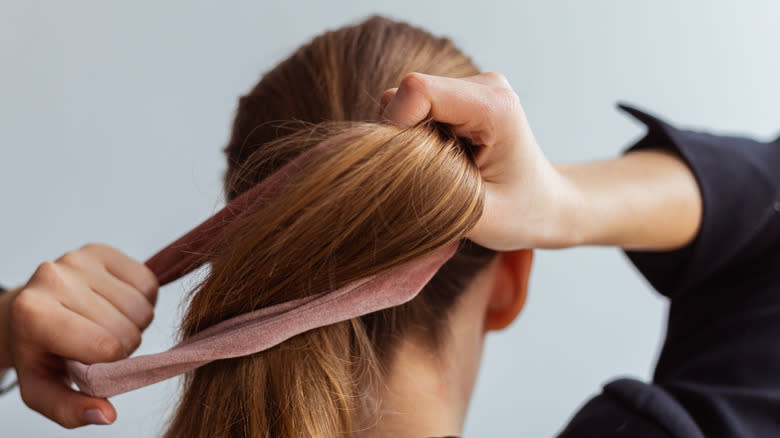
6, 300
585, 217
571, 227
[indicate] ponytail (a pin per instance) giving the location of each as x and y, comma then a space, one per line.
375, 197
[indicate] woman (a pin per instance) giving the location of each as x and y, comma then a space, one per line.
381, 195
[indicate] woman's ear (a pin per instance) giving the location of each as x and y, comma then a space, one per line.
510, 289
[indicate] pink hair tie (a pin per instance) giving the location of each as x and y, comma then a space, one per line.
264, 328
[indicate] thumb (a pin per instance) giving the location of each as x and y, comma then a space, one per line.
54, 399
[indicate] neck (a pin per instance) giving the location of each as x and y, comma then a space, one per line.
426, 394
420, 398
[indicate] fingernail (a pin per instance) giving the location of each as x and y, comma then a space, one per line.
95, 416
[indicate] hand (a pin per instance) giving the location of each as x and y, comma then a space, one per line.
90, 305
625, 201
529, 202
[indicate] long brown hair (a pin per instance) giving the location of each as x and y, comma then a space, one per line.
375, 197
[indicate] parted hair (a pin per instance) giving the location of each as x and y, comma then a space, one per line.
375, 197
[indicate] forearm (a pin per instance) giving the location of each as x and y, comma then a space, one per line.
644, 200
6, 299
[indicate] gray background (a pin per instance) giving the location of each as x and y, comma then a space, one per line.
112, 116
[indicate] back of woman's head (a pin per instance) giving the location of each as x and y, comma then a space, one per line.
372, 197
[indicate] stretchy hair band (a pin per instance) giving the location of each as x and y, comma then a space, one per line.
264, 328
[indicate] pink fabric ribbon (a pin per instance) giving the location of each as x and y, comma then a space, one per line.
259, 330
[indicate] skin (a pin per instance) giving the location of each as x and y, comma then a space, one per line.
428, 393
531, 203
89, 305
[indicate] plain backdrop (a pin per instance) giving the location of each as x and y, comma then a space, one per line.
113, 115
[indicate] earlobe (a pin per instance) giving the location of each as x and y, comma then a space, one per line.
509, 290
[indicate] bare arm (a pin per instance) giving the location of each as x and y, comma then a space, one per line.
646, 200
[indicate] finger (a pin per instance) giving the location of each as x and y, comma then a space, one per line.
126, 269
446, 100
87, 269
125, 298
473, 109
88, 303
387, 96
42, 323
411, 102
491, 79
50, 396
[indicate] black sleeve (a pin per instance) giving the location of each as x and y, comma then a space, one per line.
718, 374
